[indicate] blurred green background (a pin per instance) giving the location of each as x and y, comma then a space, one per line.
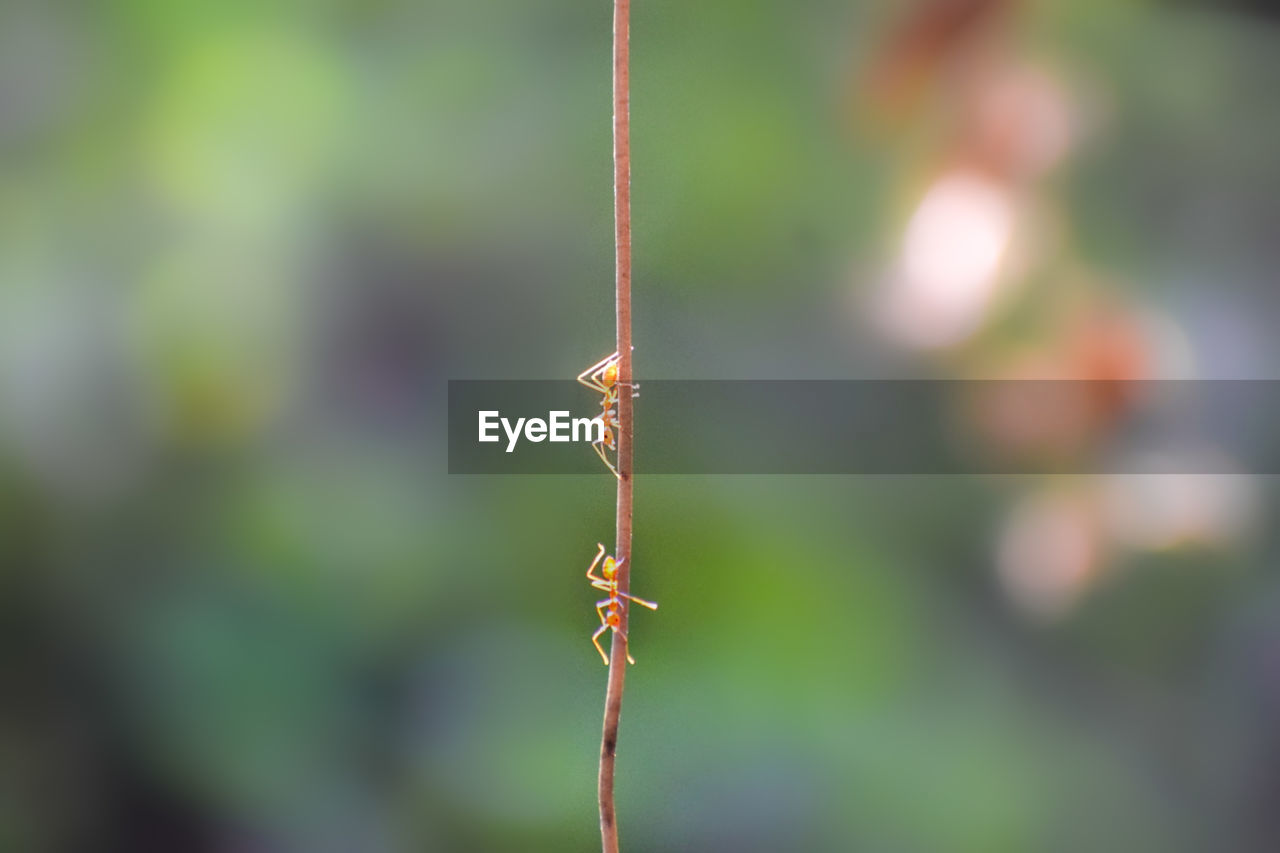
243, 245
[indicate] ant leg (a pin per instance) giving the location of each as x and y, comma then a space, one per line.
600, 452
652, 605
594, 563
627, 642
602, 363
595, 641
595, 381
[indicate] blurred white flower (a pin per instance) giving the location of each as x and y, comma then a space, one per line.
950, 264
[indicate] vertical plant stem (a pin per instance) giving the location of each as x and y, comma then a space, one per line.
626, 428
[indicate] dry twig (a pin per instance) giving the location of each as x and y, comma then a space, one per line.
626, 432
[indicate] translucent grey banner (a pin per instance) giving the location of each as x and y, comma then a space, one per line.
881, 427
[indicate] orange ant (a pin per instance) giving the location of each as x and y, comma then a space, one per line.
607, 608
603, 378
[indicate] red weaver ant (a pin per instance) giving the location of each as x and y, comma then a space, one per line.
602, 377
607, 608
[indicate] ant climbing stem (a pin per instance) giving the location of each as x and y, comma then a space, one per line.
608, 608
602, 377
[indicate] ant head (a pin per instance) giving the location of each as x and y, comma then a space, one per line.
611, 373
610, 568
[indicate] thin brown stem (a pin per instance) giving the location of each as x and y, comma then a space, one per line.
626, 432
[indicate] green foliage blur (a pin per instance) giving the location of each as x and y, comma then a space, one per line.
243, 607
